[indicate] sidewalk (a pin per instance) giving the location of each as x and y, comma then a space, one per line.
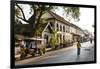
47, 51
18, 55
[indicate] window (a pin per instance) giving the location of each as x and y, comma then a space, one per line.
46, 37
60, 38
63, 38
60, 28
63, 28
57, 27
66, 29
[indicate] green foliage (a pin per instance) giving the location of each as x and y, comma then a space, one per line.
73, 12
17, 12
53, 41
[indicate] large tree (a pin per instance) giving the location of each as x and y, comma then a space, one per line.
38, 10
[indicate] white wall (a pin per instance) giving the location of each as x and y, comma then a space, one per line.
73, 30
67, 35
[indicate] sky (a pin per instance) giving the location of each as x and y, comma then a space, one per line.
86, 17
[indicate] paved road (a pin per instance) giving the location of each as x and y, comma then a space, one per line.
64, 55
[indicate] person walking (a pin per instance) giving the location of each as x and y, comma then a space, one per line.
78, 47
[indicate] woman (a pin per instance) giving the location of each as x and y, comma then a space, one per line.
78, 47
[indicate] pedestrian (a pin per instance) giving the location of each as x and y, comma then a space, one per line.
78, 47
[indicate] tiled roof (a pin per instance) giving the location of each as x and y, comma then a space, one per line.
63, 20
22, 28
59, 18
25, 28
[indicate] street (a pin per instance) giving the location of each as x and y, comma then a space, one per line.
64, 55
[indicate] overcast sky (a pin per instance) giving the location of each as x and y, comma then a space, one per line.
86, 17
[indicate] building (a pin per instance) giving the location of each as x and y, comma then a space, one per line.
65, 31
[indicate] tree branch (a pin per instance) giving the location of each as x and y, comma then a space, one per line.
22, 19
21, 11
